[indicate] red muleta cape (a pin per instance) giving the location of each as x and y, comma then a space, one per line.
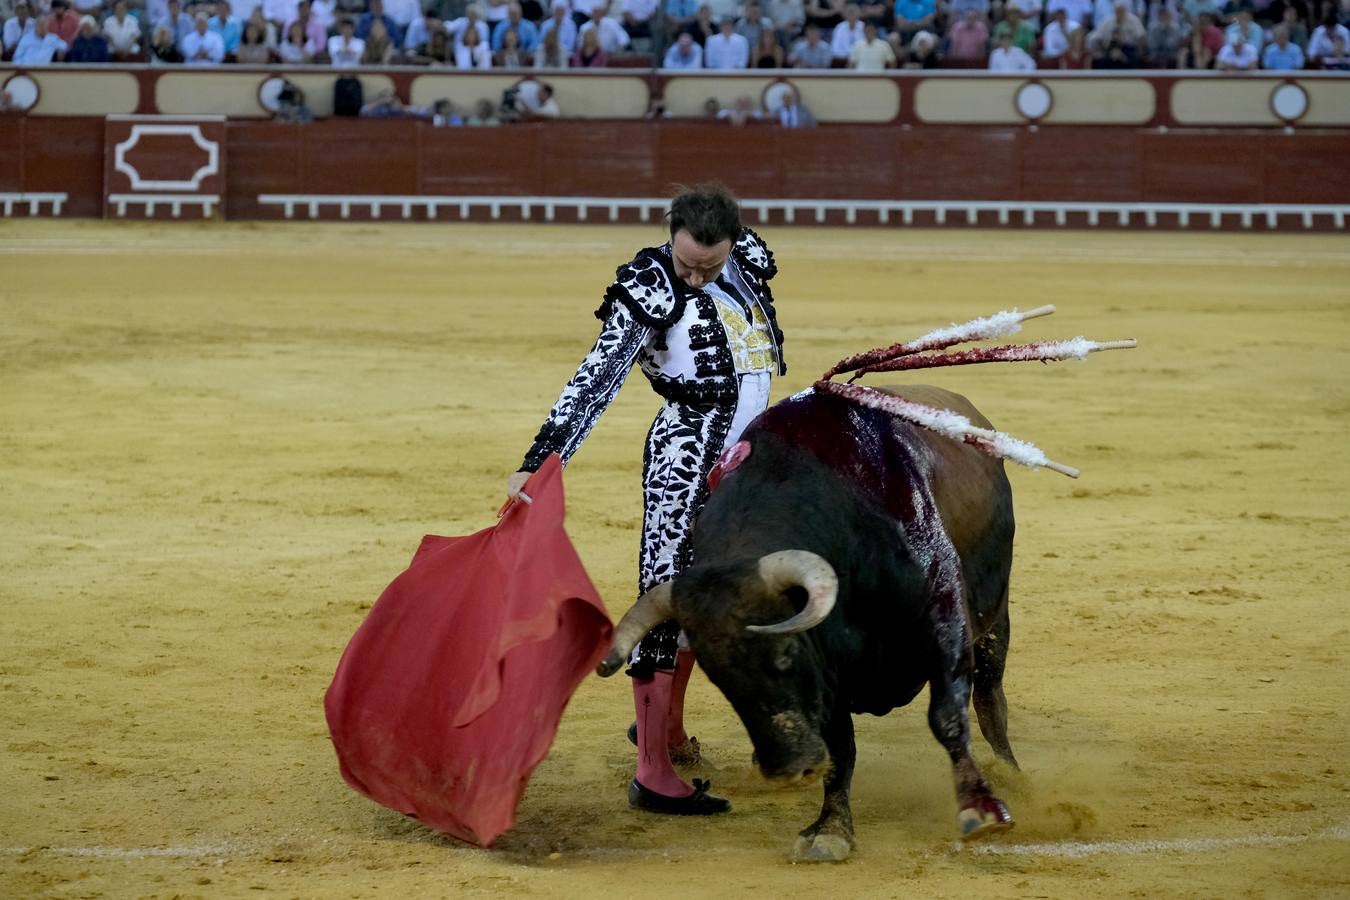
450, 692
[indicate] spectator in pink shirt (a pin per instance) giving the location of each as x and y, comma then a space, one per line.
315, 33
969, 38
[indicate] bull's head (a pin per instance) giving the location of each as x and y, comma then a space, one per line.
772, 674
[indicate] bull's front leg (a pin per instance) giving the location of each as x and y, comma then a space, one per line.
830, 837
979, 811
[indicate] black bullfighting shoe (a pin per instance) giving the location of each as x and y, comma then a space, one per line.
699, 803
686, 755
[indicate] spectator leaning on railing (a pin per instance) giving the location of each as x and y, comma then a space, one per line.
1322, 43
1238, 56
1280, 53
684, 54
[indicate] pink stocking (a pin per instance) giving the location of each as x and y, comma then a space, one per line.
652, 702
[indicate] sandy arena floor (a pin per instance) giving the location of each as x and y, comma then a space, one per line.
219, 443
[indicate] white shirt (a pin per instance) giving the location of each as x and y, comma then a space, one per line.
343, 54
675, 60
124, 37
723, 52
1243, 59
567, 34
279, 11
402, 11
1076, 10
1014, 59
13, 32
210, 42
1320, 44
641, 10
1056, 40
477, 57
323, 12
612, 36
873, 57
844, 37
457, 27
243, 9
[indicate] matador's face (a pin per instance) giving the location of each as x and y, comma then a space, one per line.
697, 264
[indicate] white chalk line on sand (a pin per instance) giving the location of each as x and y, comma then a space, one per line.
1057, 849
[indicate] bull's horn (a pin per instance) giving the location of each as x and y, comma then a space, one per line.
799, 568
650, 610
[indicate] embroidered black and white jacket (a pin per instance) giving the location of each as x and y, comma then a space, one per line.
672, 331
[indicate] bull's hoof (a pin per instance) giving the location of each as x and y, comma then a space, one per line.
986, 816
821, 848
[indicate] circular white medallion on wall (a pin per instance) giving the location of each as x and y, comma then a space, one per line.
22, 91
1033, 101
268, 92
1289, 102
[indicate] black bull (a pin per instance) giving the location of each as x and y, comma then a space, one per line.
917, 532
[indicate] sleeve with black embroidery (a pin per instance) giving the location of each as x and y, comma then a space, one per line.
591, 389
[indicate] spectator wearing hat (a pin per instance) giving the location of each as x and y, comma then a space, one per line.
88, 46
726, 49
684, 53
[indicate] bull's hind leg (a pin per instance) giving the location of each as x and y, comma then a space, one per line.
991, 707
979, 811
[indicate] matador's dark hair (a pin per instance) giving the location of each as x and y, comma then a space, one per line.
708, 212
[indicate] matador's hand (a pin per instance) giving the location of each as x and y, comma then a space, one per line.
515, 483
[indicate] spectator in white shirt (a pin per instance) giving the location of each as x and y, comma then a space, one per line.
123, 33
472, 19
21, 24
1321, 42
561, 21
203, 47
541, 105
1055, 39
726, 49
847, 33
472, 52
1244, 25
345, 48
1078, 11
324, 12
871, 54
1007, 57
39, 46
1237, 57
279, 12
684, 53
613, 38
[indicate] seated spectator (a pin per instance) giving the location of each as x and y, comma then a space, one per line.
162, 48
297, 49
825, 14
684, 53
703, 26
582, 9
1106, 9
1298, 32
253, 49
540, 104
123, 33
741, 113
203, 47
923, 52
768, 54
63, 22
472, 52
180, 23
1076, 11
637, 17
1281, 53
510, 56
420, 29
1336, 59
345, 49
788, 17
847, 33
957, 9
88, 46
968, 39
230, 29
278, 12
472, 18
1008, 57
393, 31
265, 28
444, 115
1164, 40
291, 104
752, 23
1119, 42
590, 55
379, 46
613, 39
1077, 55
527, 35
711, 108
483, 114
551, 54
1055, 38
1023, 35
386, 104
316, 33
792, 114
811, 52
324, 12
726, 49
1237, 57
1323, 37
679, 15
1243, 25
437, 50
871, 54
1031, 11
911, 17
16, 27
1202, 45
561, 24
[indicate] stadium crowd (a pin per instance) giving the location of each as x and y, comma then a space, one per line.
1001, 35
